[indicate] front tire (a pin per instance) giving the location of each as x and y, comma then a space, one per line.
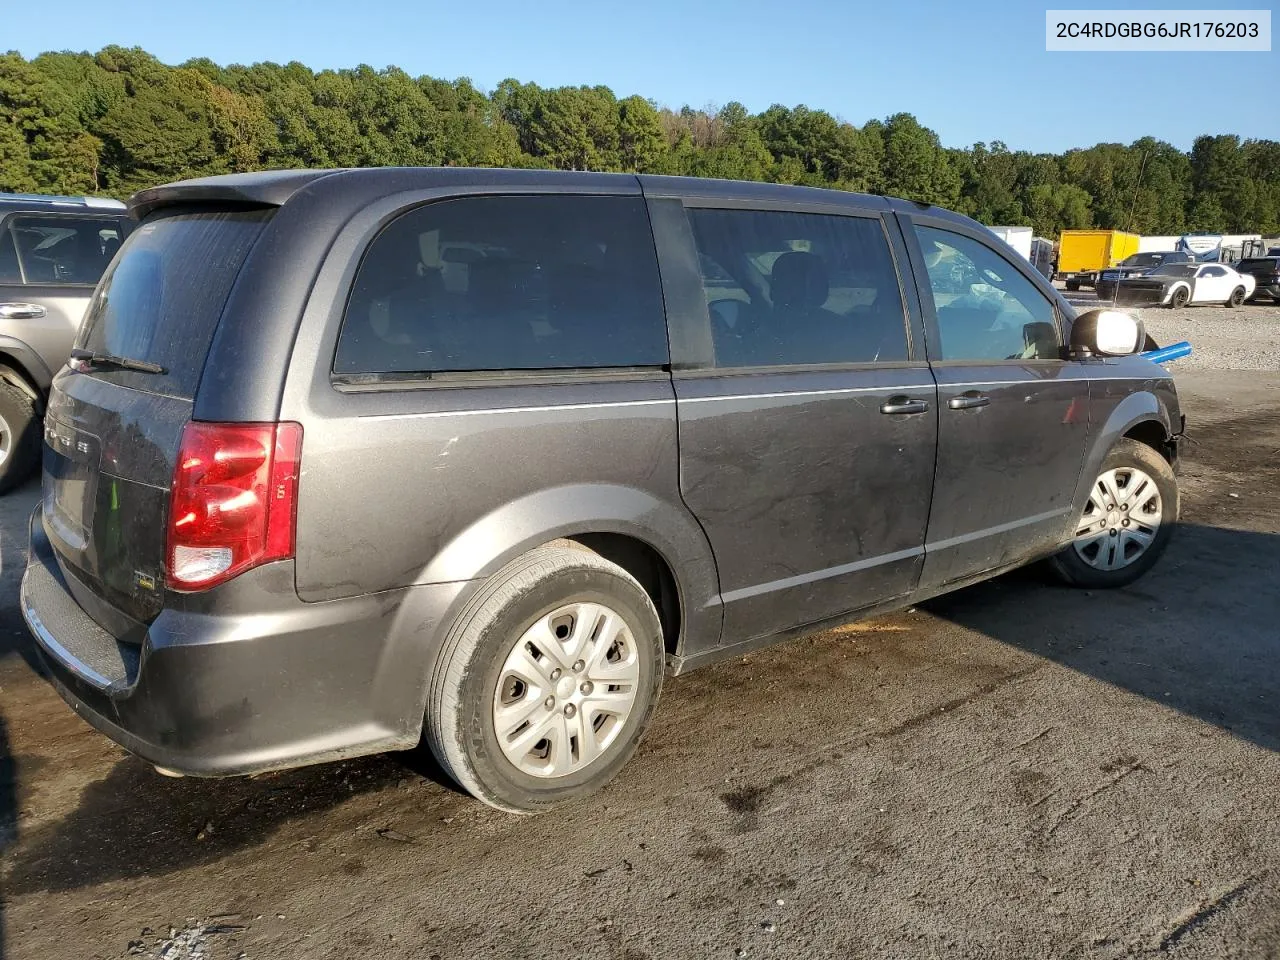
1073, 285
1127, 522
19, 437
1180, 298
1237, 297
547, 680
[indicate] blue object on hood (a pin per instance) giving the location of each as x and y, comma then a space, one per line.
1175, 351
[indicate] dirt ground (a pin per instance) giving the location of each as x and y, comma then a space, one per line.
1017, 770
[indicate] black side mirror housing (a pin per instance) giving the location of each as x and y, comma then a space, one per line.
1107, 333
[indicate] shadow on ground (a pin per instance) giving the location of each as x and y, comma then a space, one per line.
1200, 633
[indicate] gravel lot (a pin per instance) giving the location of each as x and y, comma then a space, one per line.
1222, 338
1017, 770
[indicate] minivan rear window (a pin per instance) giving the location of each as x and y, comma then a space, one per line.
507, 283
161, 299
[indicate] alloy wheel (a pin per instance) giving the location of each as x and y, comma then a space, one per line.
1121, 519
566, 690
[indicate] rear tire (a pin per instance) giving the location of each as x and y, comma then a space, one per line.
1073, 285
1237, 297
19, 437
1131, 462
546, 681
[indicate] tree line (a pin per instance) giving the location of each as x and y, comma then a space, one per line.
120, 120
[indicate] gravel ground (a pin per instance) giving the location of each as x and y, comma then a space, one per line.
1016, 770
1222, 338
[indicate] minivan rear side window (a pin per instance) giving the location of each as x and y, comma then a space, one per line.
162, 298
788, 288
507, 283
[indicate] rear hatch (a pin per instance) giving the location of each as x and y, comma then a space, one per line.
111, 432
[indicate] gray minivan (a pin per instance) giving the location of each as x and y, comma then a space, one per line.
352, 459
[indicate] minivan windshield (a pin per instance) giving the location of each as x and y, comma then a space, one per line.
160, 301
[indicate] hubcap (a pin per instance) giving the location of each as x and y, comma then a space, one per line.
1120, 520
6, 440
566, 690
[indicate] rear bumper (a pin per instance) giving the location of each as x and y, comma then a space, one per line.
254, 679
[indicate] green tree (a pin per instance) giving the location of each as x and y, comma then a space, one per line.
915, 166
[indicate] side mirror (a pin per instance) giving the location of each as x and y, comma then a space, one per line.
1107, 333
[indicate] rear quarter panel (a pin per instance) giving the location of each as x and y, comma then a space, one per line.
447, 483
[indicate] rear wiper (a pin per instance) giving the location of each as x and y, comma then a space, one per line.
91, 358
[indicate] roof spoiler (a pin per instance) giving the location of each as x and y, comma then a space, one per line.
270, 188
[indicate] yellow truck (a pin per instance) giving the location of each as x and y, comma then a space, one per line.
1083, 253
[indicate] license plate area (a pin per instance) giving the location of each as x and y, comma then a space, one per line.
72, 460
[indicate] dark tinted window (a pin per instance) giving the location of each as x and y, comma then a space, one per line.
798, 288
163, 296
508, 283
65, 249
9, 272
986, 308
1252, 265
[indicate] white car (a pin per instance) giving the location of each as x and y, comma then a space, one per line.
1180, 284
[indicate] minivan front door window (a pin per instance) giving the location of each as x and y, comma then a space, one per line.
986, 308
1013, 415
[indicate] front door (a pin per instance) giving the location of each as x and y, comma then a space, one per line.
1012, 414
1211, 285
807, 435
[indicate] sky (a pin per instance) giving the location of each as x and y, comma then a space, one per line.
973, 71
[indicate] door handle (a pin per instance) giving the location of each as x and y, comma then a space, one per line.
21, 311
904, 405
967, 401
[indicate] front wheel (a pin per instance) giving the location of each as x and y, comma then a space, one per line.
547, 681
1181, 297
1127, 522
1237, 297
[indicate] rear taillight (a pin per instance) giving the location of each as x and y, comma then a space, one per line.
233, 501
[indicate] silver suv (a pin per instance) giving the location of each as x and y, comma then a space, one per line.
52, 252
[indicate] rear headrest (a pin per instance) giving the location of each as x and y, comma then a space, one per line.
799, 281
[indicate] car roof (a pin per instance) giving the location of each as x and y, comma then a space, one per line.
277, 187
38, 200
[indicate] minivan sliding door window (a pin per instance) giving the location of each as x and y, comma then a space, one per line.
788, 288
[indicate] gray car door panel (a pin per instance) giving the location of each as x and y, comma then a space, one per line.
1012, 429
812, 481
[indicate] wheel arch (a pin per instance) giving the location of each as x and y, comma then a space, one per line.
22, 367
1141, 416
657, 542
